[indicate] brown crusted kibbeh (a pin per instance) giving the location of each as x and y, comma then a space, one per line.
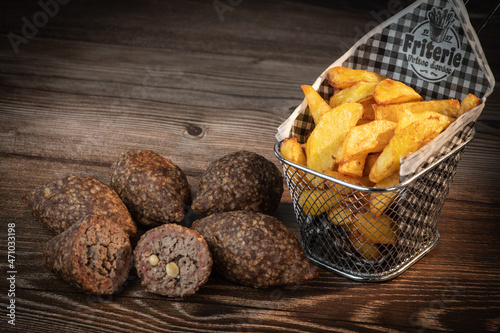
154, 189
172, 260
242, 180
94, 255
255, 249
61, 204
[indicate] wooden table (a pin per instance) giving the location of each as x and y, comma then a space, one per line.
195, 80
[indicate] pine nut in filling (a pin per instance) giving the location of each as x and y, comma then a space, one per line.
153, 260
172, 269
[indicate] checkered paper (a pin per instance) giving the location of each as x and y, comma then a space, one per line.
425, 176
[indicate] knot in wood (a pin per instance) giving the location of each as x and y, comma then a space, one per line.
194, 130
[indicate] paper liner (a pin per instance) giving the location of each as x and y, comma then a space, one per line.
388, 50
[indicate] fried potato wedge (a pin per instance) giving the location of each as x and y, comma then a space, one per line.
354, 167
368, 108
392, 92
379, 201
360, 198
359, 142
292, 150
448, 107
342, 77
364, 139
468, 103
340, 214
342, 189
362, 121
406, 117
368, 250
376, 230
406, 140
326, 138
318, 201
317, 105
369, 163
358, 92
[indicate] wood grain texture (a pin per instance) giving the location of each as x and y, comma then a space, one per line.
178, 78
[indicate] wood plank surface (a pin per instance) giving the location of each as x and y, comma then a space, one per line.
194, 83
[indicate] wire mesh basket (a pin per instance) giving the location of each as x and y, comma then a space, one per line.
369, 234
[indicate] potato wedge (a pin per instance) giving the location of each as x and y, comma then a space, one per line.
356, 198
448, 107
468, 103
368, 108
335, 174
317, 105
327, 136
292, 150
368, 250
364, 139
386, 112
376, 230
406, 117
369, 162
362, 121
340, 214
379, 201
354, 167
342, 77
391, 92
318, 201
356, 93
406, 140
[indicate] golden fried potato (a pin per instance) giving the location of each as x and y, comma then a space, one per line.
326, 138
364, 139
406, 140
357, 198
335, 174
376, 230
317, 105
368, 250
468, 103
318, 201
392, 92
358, 92
379, 201
448, 107
368, 108
406, 117
362, 121
369, 162
354, 167
340, 214
342, 77
292, 150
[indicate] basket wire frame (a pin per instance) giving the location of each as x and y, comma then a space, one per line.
368, 233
